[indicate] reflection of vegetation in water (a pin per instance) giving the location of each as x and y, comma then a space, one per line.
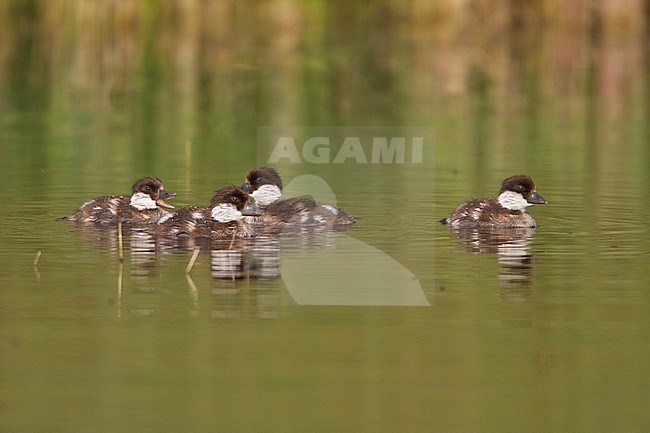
278, 63
107, 46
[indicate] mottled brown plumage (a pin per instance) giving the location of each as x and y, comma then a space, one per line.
199, 221
505, 211
146, 205
297, 211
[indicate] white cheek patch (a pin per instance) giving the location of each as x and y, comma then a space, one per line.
225, 213
266, 194
513, 200
142, 201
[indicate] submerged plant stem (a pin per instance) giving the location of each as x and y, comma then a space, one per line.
190, 265
120, 244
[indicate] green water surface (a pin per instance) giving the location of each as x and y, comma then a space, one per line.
395, 325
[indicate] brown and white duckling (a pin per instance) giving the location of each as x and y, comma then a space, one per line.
265, 186
224, 218
146, 205
505, 211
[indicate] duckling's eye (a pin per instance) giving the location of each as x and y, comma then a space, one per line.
147, 188
520, 187
234, 199
259, 180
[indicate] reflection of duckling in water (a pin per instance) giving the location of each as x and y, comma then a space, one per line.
257, 258
144, 206
516, 262
223, 219
265, 186
505, 211
494, 240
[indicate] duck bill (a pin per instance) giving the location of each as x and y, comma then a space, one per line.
246, 187
251, 210
536, 198
161, 199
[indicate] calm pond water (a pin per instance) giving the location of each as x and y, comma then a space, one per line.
396, 325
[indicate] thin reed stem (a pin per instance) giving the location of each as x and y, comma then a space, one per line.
120, 280
120, 243
190, 265
232, 241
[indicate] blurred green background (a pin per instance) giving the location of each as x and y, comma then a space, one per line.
125, 84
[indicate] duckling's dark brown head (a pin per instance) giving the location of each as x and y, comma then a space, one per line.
154, 188
524, 185
261, 176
